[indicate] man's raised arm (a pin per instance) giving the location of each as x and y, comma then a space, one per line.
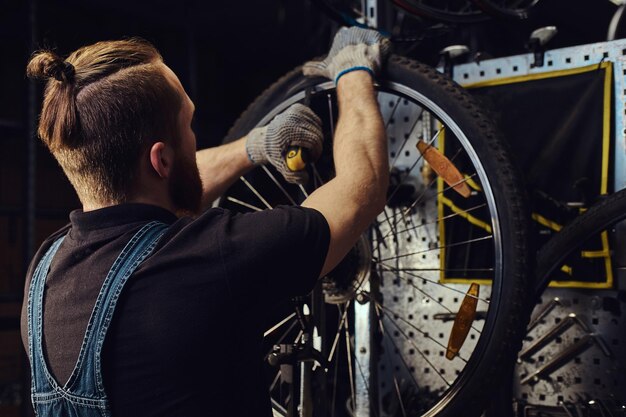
353, 199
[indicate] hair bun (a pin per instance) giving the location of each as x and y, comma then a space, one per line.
47, 64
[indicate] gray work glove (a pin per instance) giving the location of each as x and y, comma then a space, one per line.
353, 49
296, 126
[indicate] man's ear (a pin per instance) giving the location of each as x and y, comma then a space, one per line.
161, 159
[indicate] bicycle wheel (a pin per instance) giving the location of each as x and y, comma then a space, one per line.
602, 218
411, 272
571, 254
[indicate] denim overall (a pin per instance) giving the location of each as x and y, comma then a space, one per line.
83, 394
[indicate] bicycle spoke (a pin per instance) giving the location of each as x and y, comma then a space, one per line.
243, 203
392, 269
395, 383
341, 324
331, 115
387, 338
350, 371
448, 269
277, 325
414, 327
408, 172
406, 139
273, 178
276, 379
393, 112
417, 349
317, 175
282, 337
419, 199
451, 245
449, 216
429, 296
306, 195
367, 387
254, 190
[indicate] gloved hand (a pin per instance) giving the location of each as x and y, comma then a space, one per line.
296, 126
353, 49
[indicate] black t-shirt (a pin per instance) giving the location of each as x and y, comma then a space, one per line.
186, 336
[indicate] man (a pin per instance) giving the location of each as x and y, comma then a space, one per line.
181, 299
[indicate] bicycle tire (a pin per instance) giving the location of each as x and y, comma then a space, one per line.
442, 12
505, 321
605, 213
517, 12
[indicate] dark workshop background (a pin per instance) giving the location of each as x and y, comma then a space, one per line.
225, 53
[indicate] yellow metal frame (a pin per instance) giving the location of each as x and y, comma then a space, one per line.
606, 140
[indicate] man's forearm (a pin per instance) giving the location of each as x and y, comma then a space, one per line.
220, 167
360, 146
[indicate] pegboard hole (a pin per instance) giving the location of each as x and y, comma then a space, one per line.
426, 370
568, 60
407, 153
514, 68
410, 317
441, 335
406, 119
411, 351
425, 316
466, 75
498, 71
586, 57
550, 63
605, 54
482, 73
595, 320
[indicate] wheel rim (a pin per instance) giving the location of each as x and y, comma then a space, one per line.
396, 385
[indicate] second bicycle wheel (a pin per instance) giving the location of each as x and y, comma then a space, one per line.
430, 303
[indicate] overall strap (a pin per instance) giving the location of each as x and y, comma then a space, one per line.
88, 368
39, 376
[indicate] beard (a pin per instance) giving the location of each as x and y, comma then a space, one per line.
186, 186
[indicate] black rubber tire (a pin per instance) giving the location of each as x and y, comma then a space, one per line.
608, 211
506, 324
503, 12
